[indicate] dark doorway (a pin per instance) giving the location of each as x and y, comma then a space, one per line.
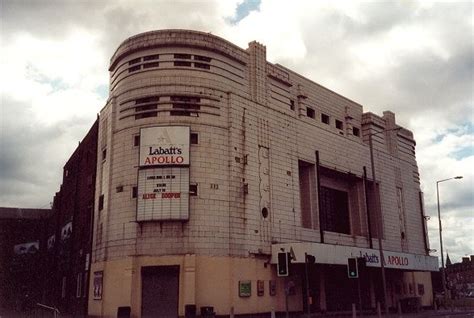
160, 291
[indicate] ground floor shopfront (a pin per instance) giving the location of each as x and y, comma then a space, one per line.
171, 286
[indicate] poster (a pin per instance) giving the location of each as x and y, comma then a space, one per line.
98, 283
245, 288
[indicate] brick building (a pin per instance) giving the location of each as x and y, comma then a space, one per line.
211, 161
69, 230
460, 276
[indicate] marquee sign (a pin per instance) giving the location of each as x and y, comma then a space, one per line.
338, 255
164, 146
163, 194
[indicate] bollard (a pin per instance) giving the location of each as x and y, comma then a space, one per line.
379, 312
354, 314
272, 315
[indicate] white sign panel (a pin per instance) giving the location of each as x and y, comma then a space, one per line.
337, 254
163, 194
164, 146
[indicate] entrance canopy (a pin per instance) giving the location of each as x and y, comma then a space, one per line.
338, 255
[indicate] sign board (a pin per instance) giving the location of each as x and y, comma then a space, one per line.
164, 146
26, 248
245, 288
163, 194
338, 255
98, 284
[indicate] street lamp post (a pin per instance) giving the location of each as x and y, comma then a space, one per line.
379, 217
443, 275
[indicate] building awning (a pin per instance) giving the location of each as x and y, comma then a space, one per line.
338, 255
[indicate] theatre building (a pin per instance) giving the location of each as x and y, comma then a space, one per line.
212, 160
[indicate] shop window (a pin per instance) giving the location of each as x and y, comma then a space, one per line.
307, 189
194, 139
325, 119
339, 125
310, 112
101, 202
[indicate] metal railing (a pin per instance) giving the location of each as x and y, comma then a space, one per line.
55, 311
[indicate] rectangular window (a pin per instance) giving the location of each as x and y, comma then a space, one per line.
134, 68
180, 113
104, 153
202, 65
146, 115
182, 63
325, 119
187, 99
79, 285
98, 239
292, 104
134, 192
193, 189
135, 61
182, 56
101, 202
136, 140
335, 208
186, 106
119, 189
147, 107
310, 112
356, 131
147, 100
151, 57
194, 139
202, 58
339, 125
84, 285
307, 186
150, 65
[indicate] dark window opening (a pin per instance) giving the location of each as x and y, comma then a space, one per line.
202, 65
150, 65
339, 124
335, 208
148, 107
134, 192
104, 153
136, 140
193, 189
194, 139
147, 100
202, 58
292, 104
182, 63
265, 213
182, 56
135, 61
310, 112
186, 106
101, 202
307, 189
325, 119
187, 99
134, 68
151, 57
119, 189
146, 115
183, 113
356, 131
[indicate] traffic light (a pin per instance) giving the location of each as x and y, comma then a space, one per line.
352, 268
283, 264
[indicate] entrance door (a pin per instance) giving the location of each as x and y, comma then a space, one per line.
160, 291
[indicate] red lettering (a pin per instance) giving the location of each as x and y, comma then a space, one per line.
147, 196
147, 161
179, 159
171, 195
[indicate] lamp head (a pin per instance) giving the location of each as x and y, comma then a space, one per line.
458, 177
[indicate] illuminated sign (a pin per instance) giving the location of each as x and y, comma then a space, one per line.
164, 146
163, 194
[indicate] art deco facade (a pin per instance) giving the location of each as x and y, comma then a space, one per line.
211, 160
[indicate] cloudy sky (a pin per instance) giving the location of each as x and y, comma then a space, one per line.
412, 57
